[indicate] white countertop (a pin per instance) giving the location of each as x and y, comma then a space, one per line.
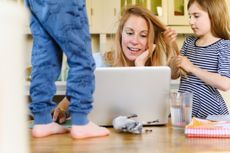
61, 86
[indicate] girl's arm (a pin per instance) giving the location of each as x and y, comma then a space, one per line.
212, 79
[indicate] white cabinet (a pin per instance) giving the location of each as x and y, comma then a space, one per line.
228, 3
112, 15
103, 15
95, 15
177, 12
20, 1
158, 7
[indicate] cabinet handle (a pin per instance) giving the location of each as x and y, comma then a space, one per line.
91, 11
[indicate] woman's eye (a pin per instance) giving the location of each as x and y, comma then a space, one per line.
144, 36
129, 33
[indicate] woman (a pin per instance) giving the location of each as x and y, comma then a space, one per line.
141, 40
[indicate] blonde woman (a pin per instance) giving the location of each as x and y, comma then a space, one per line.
141, 40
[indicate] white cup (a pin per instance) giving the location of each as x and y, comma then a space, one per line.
181, 108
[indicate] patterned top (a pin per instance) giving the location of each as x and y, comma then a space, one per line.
213, 58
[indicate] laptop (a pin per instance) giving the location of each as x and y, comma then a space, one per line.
124, 91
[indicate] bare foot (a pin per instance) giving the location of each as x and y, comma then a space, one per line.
87, 131
43, 130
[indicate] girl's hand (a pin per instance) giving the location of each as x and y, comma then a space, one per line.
184, 63
141, 59
169, 36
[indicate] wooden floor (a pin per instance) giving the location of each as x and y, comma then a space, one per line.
162, 139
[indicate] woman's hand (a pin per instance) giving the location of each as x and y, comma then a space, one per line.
169, 36
175, 70
141, 59
59, 113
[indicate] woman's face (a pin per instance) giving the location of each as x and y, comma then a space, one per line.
134, 37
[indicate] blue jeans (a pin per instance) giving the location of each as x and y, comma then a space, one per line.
60, 26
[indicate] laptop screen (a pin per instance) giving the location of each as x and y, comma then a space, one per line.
131, 90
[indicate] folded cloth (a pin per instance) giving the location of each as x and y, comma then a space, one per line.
125, 124
205, 128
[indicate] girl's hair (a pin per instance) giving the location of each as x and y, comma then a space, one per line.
218, 14
161, 54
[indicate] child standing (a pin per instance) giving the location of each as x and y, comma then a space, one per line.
60, 26
206, 57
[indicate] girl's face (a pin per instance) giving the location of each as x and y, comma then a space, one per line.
199, 20
134, 37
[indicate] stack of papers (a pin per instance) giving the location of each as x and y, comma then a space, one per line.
206, 128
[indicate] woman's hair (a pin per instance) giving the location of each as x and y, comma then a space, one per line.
161, 54
218, 15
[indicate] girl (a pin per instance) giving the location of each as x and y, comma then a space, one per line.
206, 57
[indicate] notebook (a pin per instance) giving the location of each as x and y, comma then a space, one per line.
208, 129
124, 91
218, 118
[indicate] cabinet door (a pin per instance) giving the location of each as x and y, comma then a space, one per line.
111, 15
102, 15
158, 7
20, 1
228, 3
125, 3
177, 12
95, 15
